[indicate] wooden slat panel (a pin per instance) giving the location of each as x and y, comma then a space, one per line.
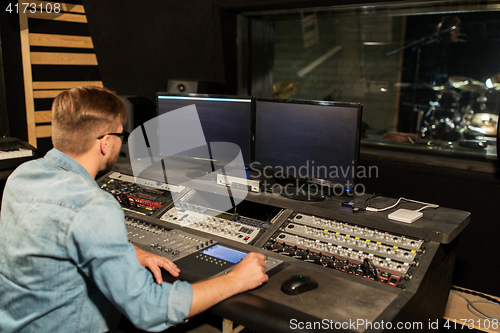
64, 84
43, 116
28, 79
58, 58
61, 41
65, 7
46, 93
456, 310
78, 18
44, 131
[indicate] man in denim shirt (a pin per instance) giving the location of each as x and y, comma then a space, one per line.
65, 263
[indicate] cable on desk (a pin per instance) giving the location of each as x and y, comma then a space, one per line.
428, 205
373, 269
475, 293
470, 304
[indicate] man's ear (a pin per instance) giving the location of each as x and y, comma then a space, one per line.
104, 145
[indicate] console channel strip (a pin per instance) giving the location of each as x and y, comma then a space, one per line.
201, 255
172, 244
366, 252
230, 226
141, 196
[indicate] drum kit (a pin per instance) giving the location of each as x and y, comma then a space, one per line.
463, 110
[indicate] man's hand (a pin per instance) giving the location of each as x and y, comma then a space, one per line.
250, 272
154, 262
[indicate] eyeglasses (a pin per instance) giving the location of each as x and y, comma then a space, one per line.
124, 135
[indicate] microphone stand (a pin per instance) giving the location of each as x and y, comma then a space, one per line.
417, 45
422, 41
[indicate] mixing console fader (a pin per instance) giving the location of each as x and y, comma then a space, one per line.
370, 253
172, 244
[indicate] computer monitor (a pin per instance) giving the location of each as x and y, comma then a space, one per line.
222, 118
311, 140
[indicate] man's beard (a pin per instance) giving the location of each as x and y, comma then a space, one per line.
110, 163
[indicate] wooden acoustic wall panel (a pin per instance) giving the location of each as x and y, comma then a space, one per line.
58, 17
65, 7
61, 41
66, 29
60, 58
46, 93
64, 84
28, 79
44, 131
43, 116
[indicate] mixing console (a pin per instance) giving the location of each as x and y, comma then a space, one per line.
234, 227
377, 255
172, 244
140, 196
373, 254
188, 251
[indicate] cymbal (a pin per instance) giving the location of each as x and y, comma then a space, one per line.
446, 89
467, 84
285, 89
485, 121
494, 82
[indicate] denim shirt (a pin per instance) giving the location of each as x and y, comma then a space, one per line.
65, 262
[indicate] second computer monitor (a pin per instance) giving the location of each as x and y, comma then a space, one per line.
308, 139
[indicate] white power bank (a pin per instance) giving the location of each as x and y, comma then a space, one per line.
405, 215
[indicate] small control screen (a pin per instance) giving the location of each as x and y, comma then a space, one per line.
225, 253
146, 196
218, 214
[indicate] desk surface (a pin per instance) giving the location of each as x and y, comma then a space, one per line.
440, 225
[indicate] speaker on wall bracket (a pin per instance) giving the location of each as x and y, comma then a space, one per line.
189, 86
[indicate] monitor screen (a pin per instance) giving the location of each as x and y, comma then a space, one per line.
222, 118
308, 139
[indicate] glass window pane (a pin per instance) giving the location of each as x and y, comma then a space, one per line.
427, 74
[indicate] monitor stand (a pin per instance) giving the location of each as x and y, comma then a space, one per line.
301, 192
296, 193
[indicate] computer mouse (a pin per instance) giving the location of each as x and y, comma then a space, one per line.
298, 284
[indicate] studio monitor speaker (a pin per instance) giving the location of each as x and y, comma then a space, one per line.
182, 86
186, 86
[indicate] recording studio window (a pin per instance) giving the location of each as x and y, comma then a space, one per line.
427, 73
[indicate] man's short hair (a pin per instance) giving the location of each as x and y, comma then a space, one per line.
82, 114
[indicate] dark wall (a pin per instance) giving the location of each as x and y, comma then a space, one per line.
13, 72
140, 49
141, 46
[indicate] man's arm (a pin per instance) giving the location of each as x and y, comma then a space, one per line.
248, 274
154, 262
